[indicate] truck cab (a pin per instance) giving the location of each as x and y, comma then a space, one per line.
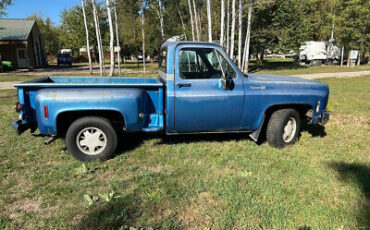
198, 90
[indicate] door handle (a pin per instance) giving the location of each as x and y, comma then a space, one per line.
180, 85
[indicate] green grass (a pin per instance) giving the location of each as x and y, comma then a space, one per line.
196, 182
271, 66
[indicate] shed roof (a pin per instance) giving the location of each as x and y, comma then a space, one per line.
15, 29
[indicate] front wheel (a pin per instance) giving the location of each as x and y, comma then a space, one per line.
91, 138
283, 128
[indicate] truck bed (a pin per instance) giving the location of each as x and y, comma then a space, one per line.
138, 100
87, 82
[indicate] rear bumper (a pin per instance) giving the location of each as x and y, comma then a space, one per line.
22, 127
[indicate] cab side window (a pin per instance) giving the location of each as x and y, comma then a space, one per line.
203, 63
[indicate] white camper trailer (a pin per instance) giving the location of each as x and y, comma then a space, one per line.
313, 51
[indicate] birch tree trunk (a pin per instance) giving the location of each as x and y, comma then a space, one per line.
98, 37
240, 34
117, 38
111, 43
247, 39
209, 20
87, 36
228, 27
143, 32
182, 20
233, 18
196, 21
191, 20
222, 23
161, 19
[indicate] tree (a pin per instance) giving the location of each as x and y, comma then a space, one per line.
98, 37
209, 20
240, 38
247, 39
72, 36
182, 20
222, 35
87, 36
191, 20
353, 25
143, 31
232, 30
50, 33
160, 14
111, 43
3, 5
117, 38
197, 26
228, 27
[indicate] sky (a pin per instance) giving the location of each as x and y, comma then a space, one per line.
47, 8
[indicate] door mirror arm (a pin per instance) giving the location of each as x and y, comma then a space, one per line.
227, 82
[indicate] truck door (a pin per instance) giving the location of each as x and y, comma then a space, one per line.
201, 103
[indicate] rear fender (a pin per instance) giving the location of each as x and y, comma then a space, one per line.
55, 102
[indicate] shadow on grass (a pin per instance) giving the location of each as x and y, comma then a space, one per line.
131, 141
118, 213
315, 130
359, 174
195, 138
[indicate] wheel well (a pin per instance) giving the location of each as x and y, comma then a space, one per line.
302, 109
260, 134
65, 119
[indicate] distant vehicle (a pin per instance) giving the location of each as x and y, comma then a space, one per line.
64, 59
199, 90
318, 51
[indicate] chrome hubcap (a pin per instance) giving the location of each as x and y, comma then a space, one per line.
289, 130
91, 141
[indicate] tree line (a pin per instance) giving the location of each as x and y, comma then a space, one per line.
142, 26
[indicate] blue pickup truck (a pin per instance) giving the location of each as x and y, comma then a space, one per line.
199, 90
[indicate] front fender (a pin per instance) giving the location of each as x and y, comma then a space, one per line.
129, 102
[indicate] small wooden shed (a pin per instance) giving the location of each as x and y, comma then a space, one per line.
21, 43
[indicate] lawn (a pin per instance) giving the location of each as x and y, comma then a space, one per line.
196, 182
131, 69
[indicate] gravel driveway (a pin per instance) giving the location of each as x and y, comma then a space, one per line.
9, 85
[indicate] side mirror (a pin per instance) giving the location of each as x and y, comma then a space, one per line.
228, 83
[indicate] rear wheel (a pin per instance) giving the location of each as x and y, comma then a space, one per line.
283, 128
91, 138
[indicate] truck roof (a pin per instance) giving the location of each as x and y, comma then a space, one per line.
172, 44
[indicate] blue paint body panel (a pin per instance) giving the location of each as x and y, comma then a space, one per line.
160, 105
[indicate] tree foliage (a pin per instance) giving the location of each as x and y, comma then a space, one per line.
276, 24
3, 5
73, 34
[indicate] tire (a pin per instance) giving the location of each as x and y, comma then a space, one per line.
280, 120
91, 138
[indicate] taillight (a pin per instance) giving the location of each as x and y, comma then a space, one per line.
18, 107
46, 114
